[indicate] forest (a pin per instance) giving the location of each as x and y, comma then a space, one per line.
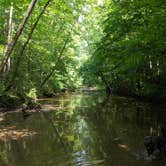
121, 48
53, 48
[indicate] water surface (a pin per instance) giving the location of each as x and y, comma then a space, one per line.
81, 130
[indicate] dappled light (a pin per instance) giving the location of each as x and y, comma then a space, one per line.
11, 133
82, 82
124, 146
95, 131
50, 107
1, 119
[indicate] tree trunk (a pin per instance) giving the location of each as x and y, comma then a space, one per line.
54, 67
29, 37
18, 33
158, 67
24, 46
9, 39
106, 83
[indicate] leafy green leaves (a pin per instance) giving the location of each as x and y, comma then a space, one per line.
129, 52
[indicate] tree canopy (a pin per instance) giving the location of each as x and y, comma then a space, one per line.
47, 46
130, 56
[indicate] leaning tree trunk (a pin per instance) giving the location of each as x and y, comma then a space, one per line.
18, 33
25, 45
54, 67
29, 38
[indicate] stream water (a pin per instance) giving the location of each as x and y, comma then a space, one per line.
81, 130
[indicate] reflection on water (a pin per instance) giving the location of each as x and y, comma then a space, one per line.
81, 130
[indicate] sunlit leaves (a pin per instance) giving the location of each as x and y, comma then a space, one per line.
43, 53
132, 45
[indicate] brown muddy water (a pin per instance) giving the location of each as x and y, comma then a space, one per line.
81, 130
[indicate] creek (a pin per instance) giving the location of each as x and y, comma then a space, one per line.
84, 129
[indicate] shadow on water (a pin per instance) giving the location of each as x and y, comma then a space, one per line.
81, 130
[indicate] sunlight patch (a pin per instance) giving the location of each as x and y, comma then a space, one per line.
123, 146
14, 134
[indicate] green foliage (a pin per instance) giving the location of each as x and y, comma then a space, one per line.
129, 57
116, 44
32, 93
44, 59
